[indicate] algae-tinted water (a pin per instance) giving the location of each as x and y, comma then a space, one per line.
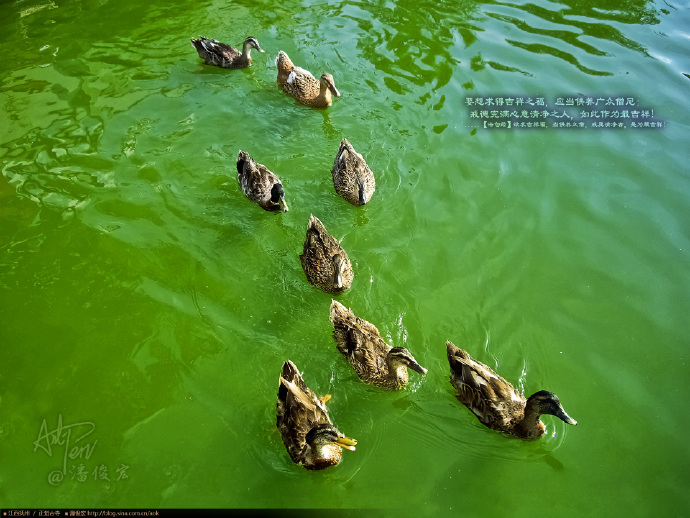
147, 306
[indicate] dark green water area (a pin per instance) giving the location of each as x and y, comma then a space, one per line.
532, 206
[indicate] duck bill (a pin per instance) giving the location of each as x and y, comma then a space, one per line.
362, 195
417, 368
334, 91
338, 278
347, 443
565, 417
283, 203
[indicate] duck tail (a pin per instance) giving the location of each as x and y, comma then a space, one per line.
290, 375
343, 149
284, 66
242, 159
338, 312
289, 371
204, 47
312, 222
196, 43
287, 374
455, 354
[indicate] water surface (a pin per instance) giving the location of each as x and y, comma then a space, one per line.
147, 302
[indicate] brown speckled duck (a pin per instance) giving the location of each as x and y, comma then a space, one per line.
325, 263
213, 52
495, 401
352, 178
373, 360
303, 421
303, 86
259, 184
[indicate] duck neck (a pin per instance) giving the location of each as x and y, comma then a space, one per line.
361, 191
325, 95
531, 426
337, 273
397, 373
246, 49
323, 456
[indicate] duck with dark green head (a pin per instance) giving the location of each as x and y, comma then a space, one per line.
307, 431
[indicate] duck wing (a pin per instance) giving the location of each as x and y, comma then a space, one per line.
317, 257
352, 177
359, 341
301, 84
490, 397
284, 66
216, 53
298, 410
256, 180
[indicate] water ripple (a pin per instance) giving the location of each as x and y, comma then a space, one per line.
576, 26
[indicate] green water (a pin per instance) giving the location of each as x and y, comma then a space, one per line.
144, 297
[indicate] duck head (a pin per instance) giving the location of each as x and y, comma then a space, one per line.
252, 43
548, 403
326, 442
278, 196
338, 270
328, 83
362, 191
401, 356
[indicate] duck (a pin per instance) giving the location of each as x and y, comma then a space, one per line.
325, 263
496, 403
213, 52
374, 361
259, 184
303, 86
305, 426
352, 178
